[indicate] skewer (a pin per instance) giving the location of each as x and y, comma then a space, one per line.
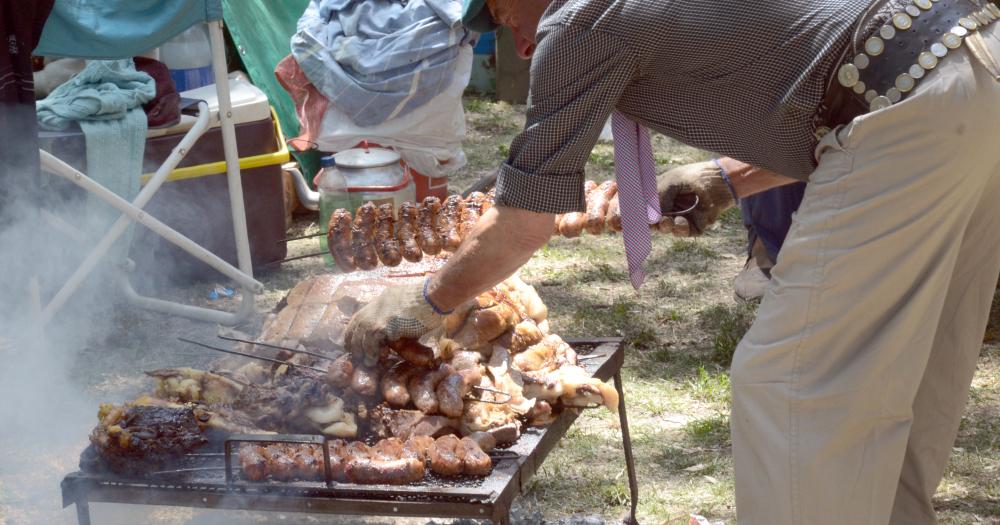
490, 401
591, 356
290, 259
186, 470
290, 239
251, 356
276, 347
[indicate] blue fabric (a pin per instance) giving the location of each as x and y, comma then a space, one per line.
768, 215
108, 29
106, 99
379, 59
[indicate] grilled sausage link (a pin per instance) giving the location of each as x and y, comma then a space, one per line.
613, 219
385, 236
364, 381
572, 223
363, 238
341, 371
472, 211
338, 240
597, 206
407, 232
475, 462
253, 463
452, 390
389, 472
428, 238
450, 222
412, 351
423, 389
444, 459
394, 384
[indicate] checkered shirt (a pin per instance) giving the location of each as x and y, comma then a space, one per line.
742, 79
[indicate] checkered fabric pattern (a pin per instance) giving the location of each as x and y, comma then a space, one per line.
742, 79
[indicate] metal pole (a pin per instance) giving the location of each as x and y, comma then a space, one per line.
82, 512
633, 482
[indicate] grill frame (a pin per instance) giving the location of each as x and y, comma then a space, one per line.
490, 500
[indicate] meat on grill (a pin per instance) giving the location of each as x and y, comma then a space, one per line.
390, 461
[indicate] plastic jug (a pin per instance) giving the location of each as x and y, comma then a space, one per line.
333, 195
189, 58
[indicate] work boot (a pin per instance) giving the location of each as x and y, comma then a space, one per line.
751, 283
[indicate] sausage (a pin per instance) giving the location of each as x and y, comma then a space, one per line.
307, 466
407, 232
364, 381
572, 223
450, 222
388, 472
388, 448
452, 390
613, 219
280, 464
472, 211
338, 240
444, 459
363, 238
428, 238
394, 384
338, 460
341, 371
386, 244
413, 352
490, 199
253, 463
423, 389
418, 447
597, 206
475, 462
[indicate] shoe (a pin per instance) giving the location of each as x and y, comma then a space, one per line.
752, 282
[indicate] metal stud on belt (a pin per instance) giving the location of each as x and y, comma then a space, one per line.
849, 75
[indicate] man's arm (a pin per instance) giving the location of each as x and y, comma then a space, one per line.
503, 240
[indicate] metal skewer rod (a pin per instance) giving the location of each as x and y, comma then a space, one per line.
493, 391
276, 347
290, 259
592, 356
299, 238
251, 356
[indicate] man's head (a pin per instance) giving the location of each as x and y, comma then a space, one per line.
520, 16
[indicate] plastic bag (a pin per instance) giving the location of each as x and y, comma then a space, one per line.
429, 139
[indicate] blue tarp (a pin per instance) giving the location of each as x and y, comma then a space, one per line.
109, 29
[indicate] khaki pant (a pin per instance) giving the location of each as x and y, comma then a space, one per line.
849, 388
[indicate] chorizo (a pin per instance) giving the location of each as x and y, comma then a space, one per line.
613, 218
364, 381
450, 222
428, 238
363, 238
341, 371
413, 352
253, 463
423, 389
386, 244
444, 460
572, 223
406, 234
388, 472
452, 390
597, 206
394, 384
475, 462
472, 211
338, 240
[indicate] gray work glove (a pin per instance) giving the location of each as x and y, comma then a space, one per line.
678, 188
400, 312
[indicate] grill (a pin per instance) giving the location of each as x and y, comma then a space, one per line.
210, 480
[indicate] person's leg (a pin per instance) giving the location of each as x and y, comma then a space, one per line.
824, 382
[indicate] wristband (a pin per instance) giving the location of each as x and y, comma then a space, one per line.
433, 306
727, 180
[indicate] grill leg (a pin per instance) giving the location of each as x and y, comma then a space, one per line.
633, 482
82, 512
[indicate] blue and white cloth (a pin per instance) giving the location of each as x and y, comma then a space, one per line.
376, 60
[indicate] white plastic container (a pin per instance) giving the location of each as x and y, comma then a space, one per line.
189, 58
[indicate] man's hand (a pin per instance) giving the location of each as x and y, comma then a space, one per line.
678, 189
400, 312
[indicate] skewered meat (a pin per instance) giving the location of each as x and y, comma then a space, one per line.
390, 461
450, 222
452, 390
428, 239
408, 231
338, 240
613, 219
597, 206
572, 223
412, 351
385, 236
423, 389
341, 371
363, 238
472, 212
394, 384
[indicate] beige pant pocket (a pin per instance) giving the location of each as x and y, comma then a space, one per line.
980, 49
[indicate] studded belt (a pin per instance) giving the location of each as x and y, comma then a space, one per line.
883, 67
